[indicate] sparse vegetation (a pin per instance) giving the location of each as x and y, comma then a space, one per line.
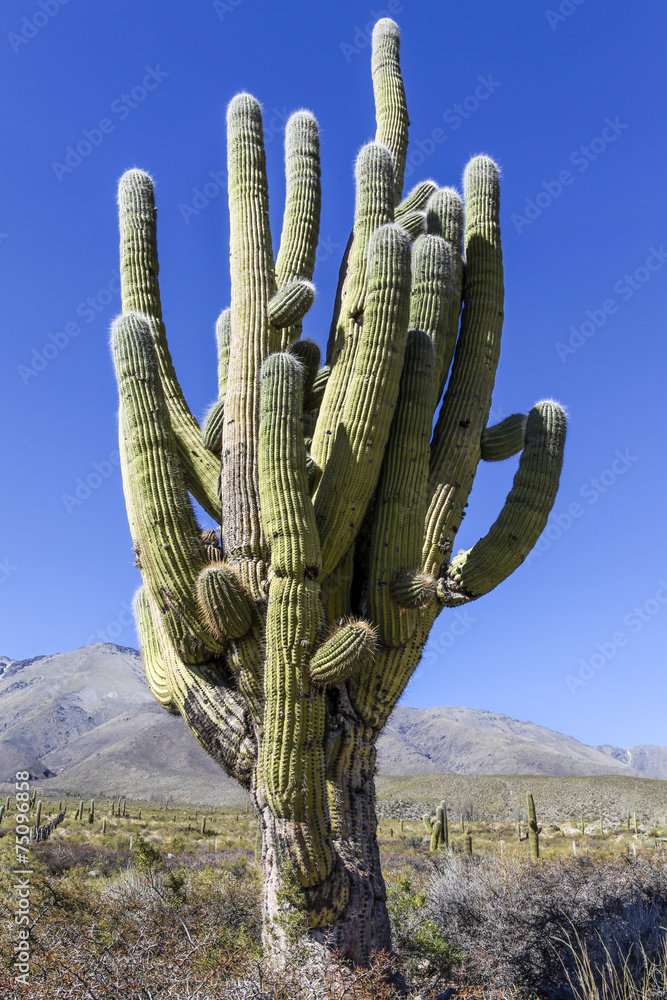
178, 914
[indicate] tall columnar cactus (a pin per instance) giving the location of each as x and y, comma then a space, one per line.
286, 637
534, 830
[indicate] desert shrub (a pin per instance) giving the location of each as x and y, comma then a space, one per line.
416, 937
522, 925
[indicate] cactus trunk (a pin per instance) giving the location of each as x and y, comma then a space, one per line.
362, 924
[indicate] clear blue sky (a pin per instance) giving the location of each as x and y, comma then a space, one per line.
569, 99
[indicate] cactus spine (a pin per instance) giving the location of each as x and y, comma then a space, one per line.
286, 639
533, 829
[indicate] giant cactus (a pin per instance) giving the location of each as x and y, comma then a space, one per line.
286, 641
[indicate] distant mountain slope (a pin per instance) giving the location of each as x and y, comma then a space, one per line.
468, 741
86, 722
647, 760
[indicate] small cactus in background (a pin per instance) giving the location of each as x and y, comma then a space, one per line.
442, 816
467, 843
634, 821
38, 815
79, 814
91, 811
2, 813
104, 826
428, 823
534, 830
583, 825
202, 828
286, 640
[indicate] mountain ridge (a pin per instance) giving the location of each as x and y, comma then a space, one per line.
85, 720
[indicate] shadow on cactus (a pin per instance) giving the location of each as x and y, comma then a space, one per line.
286, 641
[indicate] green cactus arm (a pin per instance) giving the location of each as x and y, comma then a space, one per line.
166, 537
225, 607
313, 397
291, 303
455, 450
416, 199
432, 293
414, 223
301, 220
505, 439
223, 339
351, 474
436, 834
400, 504
211, 427
373, 208
391, 110
212, 424
140, 292
347, 650
151, 653
292, 767
252, 337
213, 711
524, 515
427, 822
444, 218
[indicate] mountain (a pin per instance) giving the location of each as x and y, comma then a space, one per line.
646, 759
85, 722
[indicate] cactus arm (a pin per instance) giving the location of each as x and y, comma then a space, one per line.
414, 223
444, 218
301, 219
416, 199
211, 427
212, 424
505, 439
292, 765
225, 606
140, 292
401, 494
151, 653
289, 305
165, 534
524, 516
431, 296
349, 478
373, 208
213, 712
391, 110
223, 337
349, 648
252, 337
455, 449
